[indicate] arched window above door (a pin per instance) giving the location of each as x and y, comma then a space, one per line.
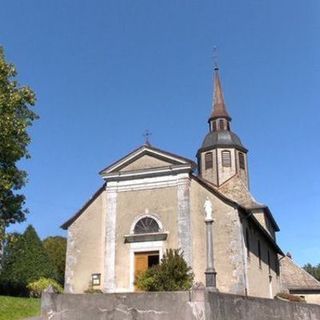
146, 228
146, 225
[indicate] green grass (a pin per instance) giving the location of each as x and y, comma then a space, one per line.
12, 308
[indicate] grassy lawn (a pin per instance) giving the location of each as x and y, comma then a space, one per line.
12, 308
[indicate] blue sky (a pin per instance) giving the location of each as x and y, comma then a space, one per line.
104, 71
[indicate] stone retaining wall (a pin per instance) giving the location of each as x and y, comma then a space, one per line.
126, 306
195, 305
233, 307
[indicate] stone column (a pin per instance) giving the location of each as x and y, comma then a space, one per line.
210, 270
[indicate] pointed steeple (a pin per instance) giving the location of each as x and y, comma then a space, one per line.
221, 155
219, 109
220, 118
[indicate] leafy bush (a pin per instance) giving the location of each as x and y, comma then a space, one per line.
91, 290
36, 287
172, 274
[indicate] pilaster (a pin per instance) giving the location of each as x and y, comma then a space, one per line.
70, 262
184, 219
110, 241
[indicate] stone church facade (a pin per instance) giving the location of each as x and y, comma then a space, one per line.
152, 200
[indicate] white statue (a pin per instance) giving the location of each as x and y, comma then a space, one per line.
208, 210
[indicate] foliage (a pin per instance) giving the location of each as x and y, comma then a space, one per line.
24, 261
313, 270
91, 290
36, 287
12, 308
55, 248
15, 118
290, 297
172, 274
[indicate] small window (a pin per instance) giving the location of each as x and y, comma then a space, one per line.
259, 254
248, 242
241, 161
226, 158
208, 160
146, 225
269, 262
221, 124
214, 125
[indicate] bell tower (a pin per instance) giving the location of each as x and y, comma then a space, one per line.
222, 155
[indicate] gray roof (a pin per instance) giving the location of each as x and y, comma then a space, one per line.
222, 139
295, 278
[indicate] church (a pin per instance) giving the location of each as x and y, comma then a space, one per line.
152, 200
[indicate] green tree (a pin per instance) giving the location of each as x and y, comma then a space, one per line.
172, 274
25, 260
55, 248
15, 118
313, 270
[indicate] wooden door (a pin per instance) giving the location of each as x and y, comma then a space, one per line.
142, 261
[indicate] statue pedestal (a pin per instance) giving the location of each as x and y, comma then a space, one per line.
210, 272
211, 282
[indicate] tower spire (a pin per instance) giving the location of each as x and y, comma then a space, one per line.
221, 155
219, 109
219, 118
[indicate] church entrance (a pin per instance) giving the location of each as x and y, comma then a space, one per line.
144, 261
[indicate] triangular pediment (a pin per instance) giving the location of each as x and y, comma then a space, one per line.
145, 158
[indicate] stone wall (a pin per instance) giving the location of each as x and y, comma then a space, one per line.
85, 246
128, 306
195, 305
234, 307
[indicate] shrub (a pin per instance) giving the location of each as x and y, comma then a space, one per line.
91, 290
172, 274
36, 287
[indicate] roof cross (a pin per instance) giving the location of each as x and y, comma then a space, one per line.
146, 135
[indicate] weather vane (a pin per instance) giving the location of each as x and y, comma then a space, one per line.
146, 135
215, 57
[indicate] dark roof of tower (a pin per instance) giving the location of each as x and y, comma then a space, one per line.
222, 139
